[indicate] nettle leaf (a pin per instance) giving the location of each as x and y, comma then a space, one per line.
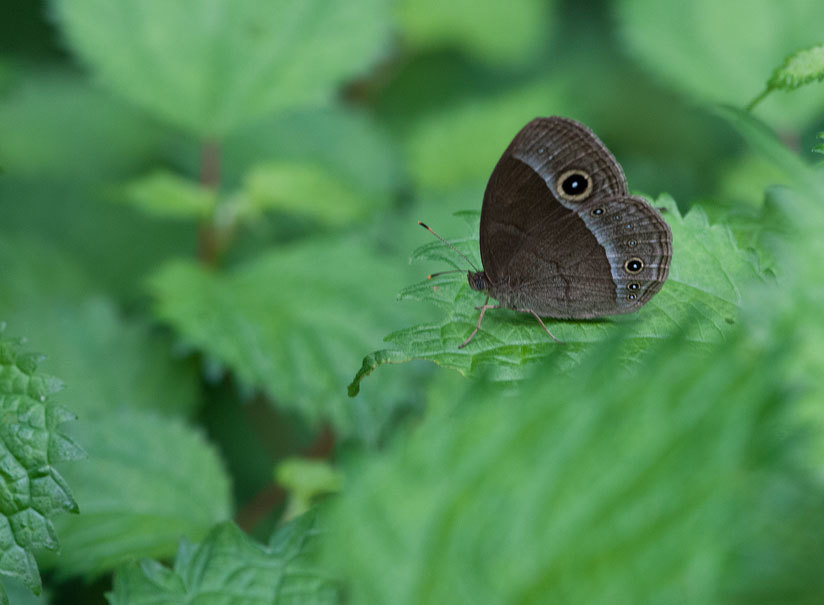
148, 481
229, 567
271, 322
799, 69
60, 124
701, 298
593, 485
32, 491
107, 360
167, 195
210, 68
820, 147
305, 189
495, 32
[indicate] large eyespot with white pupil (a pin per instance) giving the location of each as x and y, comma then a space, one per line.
574, 185
634, 266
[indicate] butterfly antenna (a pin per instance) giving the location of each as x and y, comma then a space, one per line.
464, 256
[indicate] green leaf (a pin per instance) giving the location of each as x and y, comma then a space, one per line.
59, 124
820, 147
492, 31
584, 485
292, 322
32, 491
347, 144
305, 190
306, 480
799, 69
720, 51
448, 148
167, 195
147, 482
108, 360
701, 298
211, 68
228, 567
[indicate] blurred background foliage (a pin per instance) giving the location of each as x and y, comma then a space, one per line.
206, 212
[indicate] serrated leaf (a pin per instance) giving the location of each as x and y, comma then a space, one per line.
591, 485
491, 31
720, 51
167, 195
211, 67
228, 567
801, 68
147, 482
820, 147
291, 322
18, 594
305, 190
701, 298
32, 491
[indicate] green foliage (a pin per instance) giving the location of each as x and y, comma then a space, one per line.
722, 51
475, 28
211, 71
270, 322
228, 564
799, 69
306, 481
169, 196
56, 123
32, 441
304, 190
701, 299
148, 481
582, 485
205, 229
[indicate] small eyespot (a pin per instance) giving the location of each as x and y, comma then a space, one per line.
634, 265
597, 211
541, 149
632, 243
634, 286
631, 297
628, 226
617, 217
574, 185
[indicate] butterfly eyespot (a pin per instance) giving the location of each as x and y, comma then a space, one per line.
541, 149
632, 243
631, 297
634, 265
574, 185
628, 226
634, 286
597, 211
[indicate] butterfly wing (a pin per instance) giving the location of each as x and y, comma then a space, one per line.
558, 227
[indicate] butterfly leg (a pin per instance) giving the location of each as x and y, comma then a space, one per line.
483, 309
540, 321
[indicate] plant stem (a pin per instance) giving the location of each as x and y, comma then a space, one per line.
208, 240
759, 98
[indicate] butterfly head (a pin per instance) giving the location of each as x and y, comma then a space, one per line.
477, 280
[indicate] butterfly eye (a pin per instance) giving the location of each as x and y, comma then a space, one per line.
574, 185
634, 265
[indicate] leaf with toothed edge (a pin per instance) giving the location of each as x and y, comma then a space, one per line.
32, 492
701, 298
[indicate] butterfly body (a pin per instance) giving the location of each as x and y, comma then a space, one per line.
560, 234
